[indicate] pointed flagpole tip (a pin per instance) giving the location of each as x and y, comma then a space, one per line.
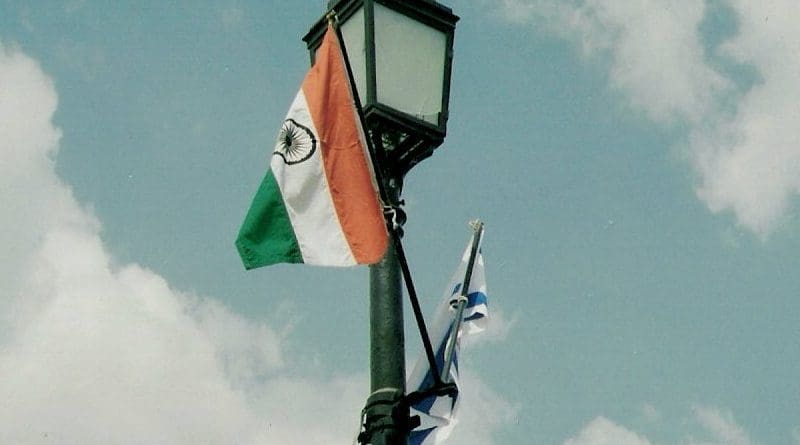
476, 224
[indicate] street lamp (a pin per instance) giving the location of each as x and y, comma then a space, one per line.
400, 52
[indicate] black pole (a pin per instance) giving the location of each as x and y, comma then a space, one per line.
387, 358
385, 416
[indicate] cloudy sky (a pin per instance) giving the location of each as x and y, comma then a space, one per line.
637, 165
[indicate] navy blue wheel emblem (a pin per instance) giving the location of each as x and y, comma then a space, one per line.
296, 142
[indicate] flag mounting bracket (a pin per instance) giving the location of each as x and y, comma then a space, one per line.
441, 389
388, 409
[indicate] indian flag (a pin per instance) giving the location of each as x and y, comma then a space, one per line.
318, 202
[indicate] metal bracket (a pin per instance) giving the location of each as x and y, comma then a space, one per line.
385, 410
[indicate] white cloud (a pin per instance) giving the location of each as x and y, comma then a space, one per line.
750, 163
29, 144
481, 412
93, 352
653, 49
602, 431
717, 425
746, 151
722, 426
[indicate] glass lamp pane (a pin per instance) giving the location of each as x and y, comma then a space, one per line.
409, 58
354, 41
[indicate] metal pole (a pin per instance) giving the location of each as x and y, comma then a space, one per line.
385, 415
477, 227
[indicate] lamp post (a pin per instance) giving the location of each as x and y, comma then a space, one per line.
400, 52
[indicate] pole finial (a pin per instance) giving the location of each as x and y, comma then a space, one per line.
331, 17
476, 224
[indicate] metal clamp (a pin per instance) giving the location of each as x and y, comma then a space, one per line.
387, 414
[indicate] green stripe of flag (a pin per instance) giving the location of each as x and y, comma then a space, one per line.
266, 236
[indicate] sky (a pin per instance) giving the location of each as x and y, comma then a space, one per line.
637, 165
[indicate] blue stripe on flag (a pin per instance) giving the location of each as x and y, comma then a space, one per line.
426, 404
476, 299
416, 437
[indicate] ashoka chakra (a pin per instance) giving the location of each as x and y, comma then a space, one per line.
296, 143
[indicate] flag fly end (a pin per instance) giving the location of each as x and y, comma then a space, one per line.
318, 203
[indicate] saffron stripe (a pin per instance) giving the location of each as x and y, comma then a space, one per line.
327, 92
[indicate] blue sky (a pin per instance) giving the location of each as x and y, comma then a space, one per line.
636, 164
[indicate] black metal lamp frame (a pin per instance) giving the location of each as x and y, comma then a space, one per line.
401, 140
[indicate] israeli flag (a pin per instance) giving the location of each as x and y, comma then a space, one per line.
437, 413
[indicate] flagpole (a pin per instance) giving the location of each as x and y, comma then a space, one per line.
477, 227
